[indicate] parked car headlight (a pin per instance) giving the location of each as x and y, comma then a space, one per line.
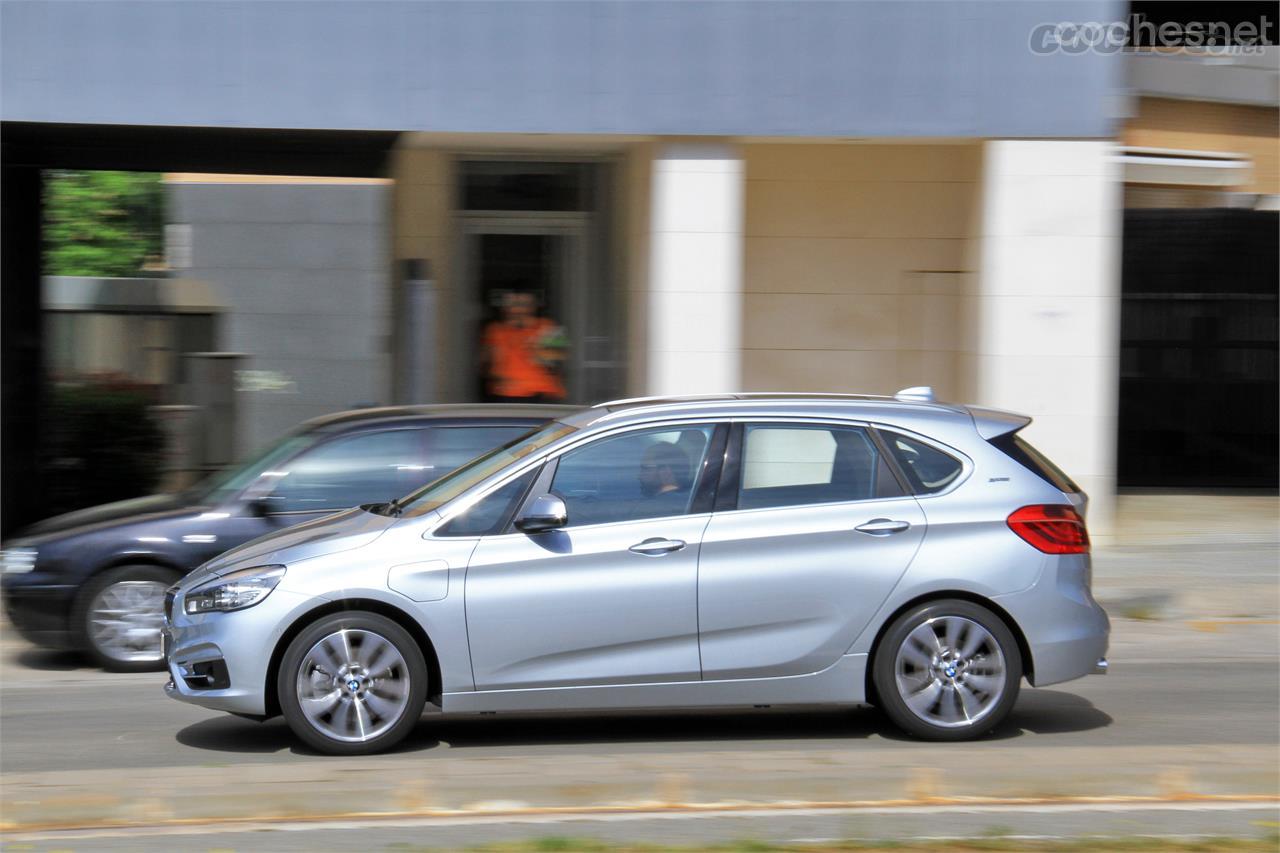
16, 561
234, 591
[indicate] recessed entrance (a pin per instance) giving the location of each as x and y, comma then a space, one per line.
548, 243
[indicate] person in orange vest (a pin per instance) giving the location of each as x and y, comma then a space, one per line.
523, 353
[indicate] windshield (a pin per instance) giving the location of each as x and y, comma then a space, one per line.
234, 478
436, 494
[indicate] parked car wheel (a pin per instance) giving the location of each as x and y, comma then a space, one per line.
120, 615
353, 684
947, 670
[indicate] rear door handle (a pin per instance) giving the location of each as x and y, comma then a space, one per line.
656, 547
882, 527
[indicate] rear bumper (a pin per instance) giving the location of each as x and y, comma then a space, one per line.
1067, 632
40, 611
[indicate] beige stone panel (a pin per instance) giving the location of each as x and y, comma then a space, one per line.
940, 370
892, 162
937, 210
827, 371
1034, 384
844, 265
809, 209
929, 322
1047, 325
820, 321
1050, 265
421, 210
422, 166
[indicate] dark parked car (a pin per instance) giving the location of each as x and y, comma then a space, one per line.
95, 579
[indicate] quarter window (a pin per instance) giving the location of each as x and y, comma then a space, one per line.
644, 474
927, 468
799, 465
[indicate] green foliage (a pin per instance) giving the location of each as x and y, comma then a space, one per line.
102, 223
104, 445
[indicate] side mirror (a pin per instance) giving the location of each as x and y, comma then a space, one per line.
258, 508
548, 512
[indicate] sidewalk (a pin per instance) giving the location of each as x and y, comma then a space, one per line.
1198, 557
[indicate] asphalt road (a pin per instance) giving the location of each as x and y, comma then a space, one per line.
1189, 712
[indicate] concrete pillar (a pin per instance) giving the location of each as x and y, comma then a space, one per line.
1048, 303
695, 269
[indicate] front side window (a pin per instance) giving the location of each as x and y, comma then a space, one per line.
490, 514
371, 467
637, 475
787, 465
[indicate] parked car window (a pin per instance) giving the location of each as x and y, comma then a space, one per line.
928, 468
799, 465
232, 480
456, 483
490, 514
452, 447
371, 467
648, 474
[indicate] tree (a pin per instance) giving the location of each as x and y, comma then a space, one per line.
102, 223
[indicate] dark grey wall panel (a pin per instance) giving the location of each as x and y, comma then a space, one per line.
759, 68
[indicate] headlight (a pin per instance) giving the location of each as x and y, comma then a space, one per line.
16, 561
235, 591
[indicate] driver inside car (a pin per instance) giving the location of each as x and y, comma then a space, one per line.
664, 482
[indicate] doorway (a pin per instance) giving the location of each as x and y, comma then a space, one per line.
543, 256
540, 228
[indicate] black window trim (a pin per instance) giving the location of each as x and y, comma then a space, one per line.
542, 484
731, 475
966, 464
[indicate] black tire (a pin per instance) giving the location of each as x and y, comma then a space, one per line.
416, 673
890, 697
99, 648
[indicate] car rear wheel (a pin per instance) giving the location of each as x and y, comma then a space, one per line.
353, 684
947, 670
120, 616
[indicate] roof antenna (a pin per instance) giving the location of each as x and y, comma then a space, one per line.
917, 394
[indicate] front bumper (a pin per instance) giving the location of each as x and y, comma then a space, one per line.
1067, 632
39, 608
221, 660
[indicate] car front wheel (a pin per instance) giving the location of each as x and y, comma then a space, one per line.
352, 684
947, 670
120, 615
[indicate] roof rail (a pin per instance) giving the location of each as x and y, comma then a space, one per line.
663, 398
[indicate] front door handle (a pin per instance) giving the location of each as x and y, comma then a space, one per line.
656, 547
882, 527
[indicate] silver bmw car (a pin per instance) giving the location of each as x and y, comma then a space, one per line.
720, 551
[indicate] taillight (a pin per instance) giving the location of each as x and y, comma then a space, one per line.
1051, 528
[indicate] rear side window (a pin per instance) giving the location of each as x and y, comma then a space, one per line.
1020, 450
928, 469
800, 465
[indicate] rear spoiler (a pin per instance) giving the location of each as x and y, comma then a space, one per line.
993, 423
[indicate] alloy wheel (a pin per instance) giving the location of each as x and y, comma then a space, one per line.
950, 671
353, 685
125, 620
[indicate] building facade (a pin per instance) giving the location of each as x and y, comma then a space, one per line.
766, 196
